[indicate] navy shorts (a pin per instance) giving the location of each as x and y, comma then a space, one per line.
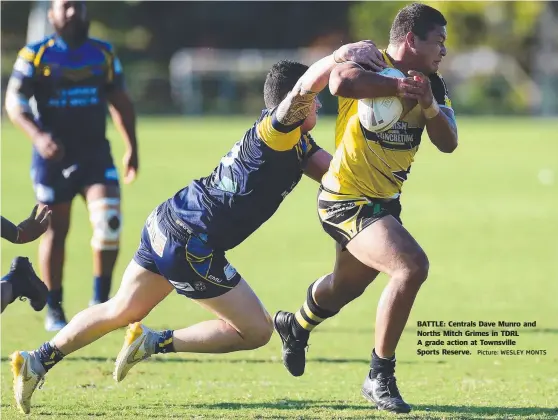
190, 264
56, 182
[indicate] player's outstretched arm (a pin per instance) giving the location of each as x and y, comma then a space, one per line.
296, 106
317, 165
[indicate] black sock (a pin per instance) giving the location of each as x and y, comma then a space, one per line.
49, 355
165, 342
54, 298
380, 365
309, 316
101, 288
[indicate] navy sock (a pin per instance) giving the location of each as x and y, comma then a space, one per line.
165, 342
54, 298
379, 365
49, 355
101, 288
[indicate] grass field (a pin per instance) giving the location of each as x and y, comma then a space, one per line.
487, 216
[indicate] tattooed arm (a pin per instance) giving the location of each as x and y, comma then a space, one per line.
296, 106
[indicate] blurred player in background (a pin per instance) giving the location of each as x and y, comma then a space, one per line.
359, 200
184, 240
70, 79
21, 281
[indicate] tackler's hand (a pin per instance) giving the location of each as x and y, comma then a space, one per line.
364, 53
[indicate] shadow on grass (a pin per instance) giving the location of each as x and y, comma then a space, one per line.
161, 410
210, 360
344, 330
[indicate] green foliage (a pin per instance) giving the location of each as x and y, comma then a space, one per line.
372, 20
505, 26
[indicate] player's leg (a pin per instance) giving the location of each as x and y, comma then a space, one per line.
324, 298
203, 274
390, 248
373, 235
103, 203
243, 324
140, 291
52, 249
54, 186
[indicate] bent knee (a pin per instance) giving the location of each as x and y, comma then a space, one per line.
258, 334
415, 269
123, 313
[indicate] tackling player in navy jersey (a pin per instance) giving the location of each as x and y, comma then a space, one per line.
58, 95
184, 240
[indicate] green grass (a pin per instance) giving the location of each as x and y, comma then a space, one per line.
487, 222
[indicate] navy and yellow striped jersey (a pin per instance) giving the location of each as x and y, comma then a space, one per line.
248, 185
69, 88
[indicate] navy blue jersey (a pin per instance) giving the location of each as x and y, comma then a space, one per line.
249, 184
69, 88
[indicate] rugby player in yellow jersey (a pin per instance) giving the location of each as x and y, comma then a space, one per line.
359, 198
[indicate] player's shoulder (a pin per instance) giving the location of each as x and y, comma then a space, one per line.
30, 50
102, 45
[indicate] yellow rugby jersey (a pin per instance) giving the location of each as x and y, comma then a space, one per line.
377, 164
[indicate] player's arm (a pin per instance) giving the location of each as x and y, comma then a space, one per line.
123, 115
21, 88
297, 104
280, 130
352, 80
317, 164
436, 107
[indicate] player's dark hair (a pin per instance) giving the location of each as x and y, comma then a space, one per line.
280, 80
417, 18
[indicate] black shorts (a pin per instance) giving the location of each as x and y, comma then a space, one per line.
344, 216
190, 264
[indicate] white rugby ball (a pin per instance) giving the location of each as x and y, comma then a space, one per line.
379, 114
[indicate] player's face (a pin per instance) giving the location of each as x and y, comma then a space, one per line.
312, 118
69, 18
432, 50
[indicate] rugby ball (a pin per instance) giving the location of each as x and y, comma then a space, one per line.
379, 114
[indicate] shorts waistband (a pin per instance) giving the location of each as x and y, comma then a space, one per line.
384, 200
